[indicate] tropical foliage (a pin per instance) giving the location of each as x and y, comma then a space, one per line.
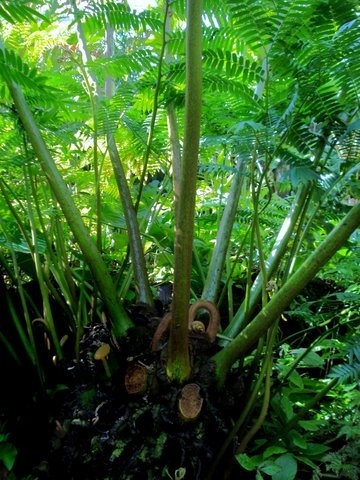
213, 148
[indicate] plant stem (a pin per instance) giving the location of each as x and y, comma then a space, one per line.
118, 316
280, 301
135, 243
303, 412
218, 256
150, 137
239, 422
268, 363
178, 365
272, 262
172, 124
47, 312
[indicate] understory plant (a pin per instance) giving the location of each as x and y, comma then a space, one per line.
256, 105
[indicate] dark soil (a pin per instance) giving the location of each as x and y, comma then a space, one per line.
86, 426
90, 427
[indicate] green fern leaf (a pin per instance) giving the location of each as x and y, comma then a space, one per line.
123, 65
12, 68
234, 65
346, 373
15, 11
119, 16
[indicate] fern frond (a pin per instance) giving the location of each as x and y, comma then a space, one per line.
220, 83
122, 65
346, 62
262, 24
12, 68
14, 11
251, 20
353, 350
349, 372
119, 15
234, 65
346, 373
176, 43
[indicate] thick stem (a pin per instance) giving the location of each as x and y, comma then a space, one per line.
119, 318
281, 300
174, 147
178, 365
218, 256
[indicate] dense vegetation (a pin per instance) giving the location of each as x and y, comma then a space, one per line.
179, 243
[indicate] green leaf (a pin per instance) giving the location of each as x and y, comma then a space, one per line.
270, 469
275, 449
295, 378
310, 425
311, 359
298, 440
306, 460
16, 11
288, 465
302, 175
286, 407
247, 462
316, 450
8, 454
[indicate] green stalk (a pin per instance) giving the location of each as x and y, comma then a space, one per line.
268, 364
55, 255
300, 234
118, 316
136, 247
178, 364
240, 420
272, 262
172, 123
47, 312
218, 256
174, 147
257, 234
150, 137
28, 342
60, 267
135, 243
281, 300
298, 210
